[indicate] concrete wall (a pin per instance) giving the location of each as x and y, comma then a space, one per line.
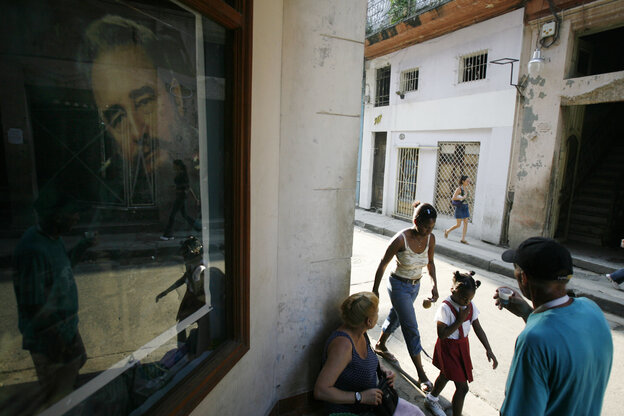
321, 88
442, 109
538, 161
305, 124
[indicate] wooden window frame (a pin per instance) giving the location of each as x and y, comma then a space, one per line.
186, 395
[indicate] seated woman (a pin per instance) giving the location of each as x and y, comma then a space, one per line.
348, 381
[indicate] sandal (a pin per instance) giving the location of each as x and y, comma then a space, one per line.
425, 386
464, 242
386, 354
446, 233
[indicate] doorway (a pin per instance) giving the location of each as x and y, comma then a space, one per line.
591, 198
379, 165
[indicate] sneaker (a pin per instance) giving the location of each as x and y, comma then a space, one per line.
434, 407
613, 282
166, 237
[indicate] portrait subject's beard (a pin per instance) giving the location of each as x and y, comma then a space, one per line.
157, 153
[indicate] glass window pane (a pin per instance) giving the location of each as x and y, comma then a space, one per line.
113, 181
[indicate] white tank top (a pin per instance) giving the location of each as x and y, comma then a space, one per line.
409, 264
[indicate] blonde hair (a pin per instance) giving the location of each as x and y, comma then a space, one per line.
357, 308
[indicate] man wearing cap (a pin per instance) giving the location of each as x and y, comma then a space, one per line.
563, 357
47, 296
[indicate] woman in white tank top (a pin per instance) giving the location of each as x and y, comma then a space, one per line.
413, 249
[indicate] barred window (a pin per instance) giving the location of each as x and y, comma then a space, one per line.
383, 87
473, 67
454, 160
409, 80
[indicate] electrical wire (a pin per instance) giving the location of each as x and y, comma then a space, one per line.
555, 36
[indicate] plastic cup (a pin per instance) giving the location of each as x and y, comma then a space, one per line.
504, 294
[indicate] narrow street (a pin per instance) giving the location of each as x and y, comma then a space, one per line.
487, 391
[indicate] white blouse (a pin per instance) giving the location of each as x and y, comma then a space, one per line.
444, 315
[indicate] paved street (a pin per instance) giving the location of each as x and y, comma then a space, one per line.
487, 390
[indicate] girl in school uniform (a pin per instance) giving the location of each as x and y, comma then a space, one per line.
455, 316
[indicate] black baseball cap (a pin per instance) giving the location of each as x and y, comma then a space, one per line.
542, 259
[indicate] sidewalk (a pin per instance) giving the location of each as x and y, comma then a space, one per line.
590, 264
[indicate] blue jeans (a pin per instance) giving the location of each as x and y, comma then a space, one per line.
618, 276
402, 313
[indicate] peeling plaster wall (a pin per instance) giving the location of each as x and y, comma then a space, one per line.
444, 110
537, 168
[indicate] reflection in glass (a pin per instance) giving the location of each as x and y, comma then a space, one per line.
113, 266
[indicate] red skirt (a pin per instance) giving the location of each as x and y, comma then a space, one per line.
452, 357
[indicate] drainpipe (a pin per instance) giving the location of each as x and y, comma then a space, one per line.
359, 159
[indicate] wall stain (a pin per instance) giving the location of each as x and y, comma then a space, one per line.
541, 95
323, 53
528, 123
538, 80
537, 164
522, 174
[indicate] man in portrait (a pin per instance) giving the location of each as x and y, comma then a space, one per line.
143, 86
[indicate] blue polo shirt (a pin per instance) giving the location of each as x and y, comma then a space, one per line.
561, 363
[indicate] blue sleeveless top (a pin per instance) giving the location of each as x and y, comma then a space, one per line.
359, 375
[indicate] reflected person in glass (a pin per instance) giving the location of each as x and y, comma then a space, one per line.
47, 296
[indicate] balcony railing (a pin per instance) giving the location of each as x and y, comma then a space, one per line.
383, 14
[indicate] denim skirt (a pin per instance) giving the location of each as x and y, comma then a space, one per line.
461, 211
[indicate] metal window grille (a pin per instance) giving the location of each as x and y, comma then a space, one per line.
454, 160
383, 87
409, 80
407, 173
473, 67
382, 14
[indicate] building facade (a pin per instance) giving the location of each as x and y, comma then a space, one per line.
549, 162
438, 110
568, 158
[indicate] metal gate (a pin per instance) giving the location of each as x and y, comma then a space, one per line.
407, 173
454, 160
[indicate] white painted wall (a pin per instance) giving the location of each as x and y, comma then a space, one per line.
305, 125
445, 110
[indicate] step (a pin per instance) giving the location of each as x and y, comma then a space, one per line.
588, 219
608, 174
588, 208
121, 228
599, 183
596, 241
591, 198
585, 229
